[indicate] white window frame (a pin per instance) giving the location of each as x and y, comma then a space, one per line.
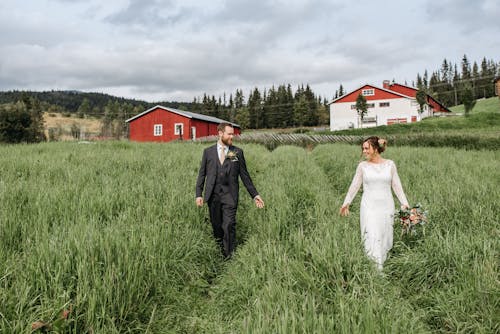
368, 92
193, 132
176, 129
158, 130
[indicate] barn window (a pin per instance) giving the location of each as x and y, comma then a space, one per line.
384, 104
178, 129
158, 130
368, 92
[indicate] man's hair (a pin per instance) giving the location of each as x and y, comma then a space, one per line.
222, 126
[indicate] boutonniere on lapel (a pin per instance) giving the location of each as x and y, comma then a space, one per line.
231, 155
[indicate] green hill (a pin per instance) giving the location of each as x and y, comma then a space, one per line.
70, 101
491, 104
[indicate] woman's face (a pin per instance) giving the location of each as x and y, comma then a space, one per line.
368, 150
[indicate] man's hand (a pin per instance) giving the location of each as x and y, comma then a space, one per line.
199, 201
259, 202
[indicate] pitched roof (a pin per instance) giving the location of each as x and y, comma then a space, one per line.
187, 114
372, 86
393, 92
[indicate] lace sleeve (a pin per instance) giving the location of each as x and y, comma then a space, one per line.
397, 187
355, 185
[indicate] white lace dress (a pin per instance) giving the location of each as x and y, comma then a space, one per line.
377, 205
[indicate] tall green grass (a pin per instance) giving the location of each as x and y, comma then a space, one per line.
111, 231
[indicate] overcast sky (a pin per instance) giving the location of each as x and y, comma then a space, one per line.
175, 50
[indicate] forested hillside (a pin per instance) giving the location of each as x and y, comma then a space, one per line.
283, 106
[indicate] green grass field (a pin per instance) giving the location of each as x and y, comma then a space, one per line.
489, 105
110, 231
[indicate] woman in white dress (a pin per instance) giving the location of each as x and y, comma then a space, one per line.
378, 176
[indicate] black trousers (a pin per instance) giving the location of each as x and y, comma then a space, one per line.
223, 218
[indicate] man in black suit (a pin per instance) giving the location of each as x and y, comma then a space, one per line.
220, 168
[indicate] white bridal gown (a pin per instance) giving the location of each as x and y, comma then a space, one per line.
377, 205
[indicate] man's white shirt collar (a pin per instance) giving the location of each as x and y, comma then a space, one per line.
219, 145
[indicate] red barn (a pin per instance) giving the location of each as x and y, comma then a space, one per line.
162, 124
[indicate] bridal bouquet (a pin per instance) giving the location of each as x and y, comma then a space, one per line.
411, 218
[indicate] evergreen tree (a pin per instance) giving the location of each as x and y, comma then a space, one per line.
285, 102
475, 80
468, 98
456, 85
21, 122
84, 108
466, 72
270, 108
239, 99
36, 129
361, 107
420, 82
107, 120
255, 109
323, 113
242, 117
312, 110
300, 111
421, 99
232, 109
483, 79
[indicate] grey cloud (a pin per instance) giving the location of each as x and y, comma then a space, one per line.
149, 13
468, 16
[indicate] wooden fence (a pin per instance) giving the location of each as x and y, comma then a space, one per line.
273, 140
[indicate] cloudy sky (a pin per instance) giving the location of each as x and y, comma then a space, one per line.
175, 50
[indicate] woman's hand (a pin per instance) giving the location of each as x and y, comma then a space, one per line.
344, 211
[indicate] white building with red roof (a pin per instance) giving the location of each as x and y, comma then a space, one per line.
390, 104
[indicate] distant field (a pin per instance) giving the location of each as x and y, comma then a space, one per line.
91, 126
110, 232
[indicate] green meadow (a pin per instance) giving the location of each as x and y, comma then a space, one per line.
109, 232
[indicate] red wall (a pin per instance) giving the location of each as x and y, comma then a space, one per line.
204, 129
142, 128
379, 95
436, 106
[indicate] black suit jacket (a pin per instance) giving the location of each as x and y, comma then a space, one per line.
233, 168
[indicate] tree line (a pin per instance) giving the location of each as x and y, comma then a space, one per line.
273, 108
22, 121
276, 107
455, 84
